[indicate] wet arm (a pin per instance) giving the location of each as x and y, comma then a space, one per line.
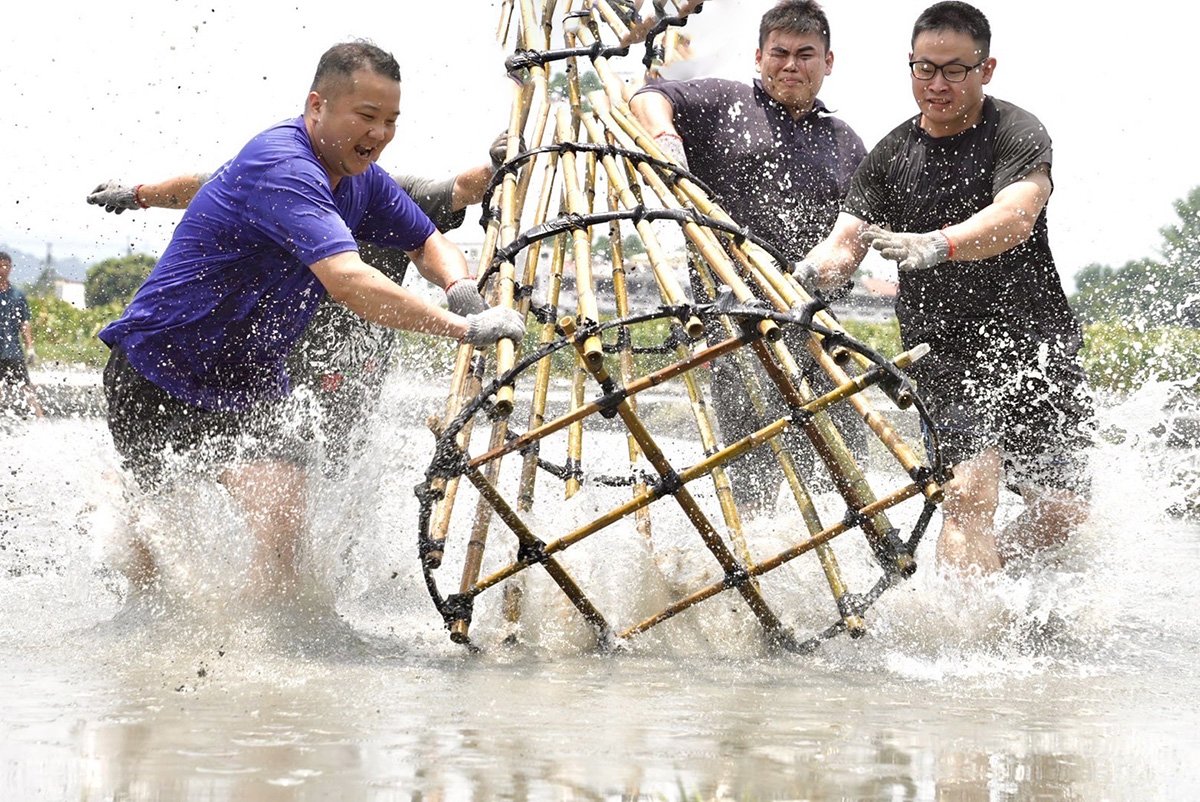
173, 193
469, 186
1005, 223
654, 112
837, 256
367, 292
440, 261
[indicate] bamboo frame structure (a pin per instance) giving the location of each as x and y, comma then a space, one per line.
600, 356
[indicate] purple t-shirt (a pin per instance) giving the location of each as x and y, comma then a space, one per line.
233, 291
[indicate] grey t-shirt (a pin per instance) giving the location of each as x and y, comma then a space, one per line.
782, 178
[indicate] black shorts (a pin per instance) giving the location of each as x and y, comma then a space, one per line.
1031, 403
13, 373
148, 426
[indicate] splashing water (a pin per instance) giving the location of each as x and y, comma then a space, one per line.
1072, 679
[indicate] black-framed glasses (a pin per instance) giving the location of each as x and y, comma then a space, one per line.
953, 72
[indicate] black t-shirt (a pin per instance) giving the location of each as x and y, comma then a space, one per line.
911, 181
782, 178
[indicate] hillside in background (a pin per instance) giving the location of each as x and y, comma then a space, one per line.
27, 267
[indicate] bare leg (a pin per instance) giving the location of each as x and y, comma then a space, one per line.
967, 542
1050, 517
34, 403
271, 494
140, 568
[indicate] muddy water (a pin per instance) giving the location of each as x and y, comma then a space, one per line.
1076, 680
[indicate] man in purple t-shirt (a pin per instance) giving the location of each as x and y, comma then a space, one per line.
198, 357
778, 163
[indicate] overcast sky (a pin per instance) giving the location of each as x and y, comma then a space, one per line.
143, 90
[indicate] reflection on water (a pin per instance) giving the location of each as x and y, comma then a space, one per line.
1077, 681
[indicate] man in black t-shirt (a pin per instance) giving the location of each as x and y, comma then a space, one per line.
778, 162
957, 197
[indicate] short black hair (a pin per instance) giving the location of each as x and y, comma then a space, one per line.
794, 16
954, 15
5, 258
340, 61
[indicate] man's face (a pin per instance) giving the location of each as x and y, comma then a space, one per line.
948, 107
793, 66
353, 121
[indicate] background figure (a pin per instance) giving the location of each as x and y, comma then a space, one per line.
16, 346
779, 163
198, 357
956, 196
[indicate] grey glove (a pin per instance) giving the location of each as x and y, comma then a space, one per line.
496, 323
31, 357
498, 152
464, 299
909, 251
806, 274
672, 147
114, 196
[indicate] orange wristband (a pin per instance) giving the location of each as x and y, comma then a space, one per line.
950, 242
459, 280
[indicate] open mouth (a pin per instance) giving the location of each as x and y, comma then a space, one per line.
366, 153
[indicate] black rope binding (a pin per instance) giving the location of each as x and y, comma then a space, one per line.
654, 51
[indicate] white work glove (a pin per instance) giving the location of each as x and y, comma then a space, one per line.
496, 323
672, 147
31, 357
909, 251
462, 298
806, 274
114, 196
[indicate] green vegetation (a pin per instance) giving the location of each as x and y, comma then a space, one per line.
65, 334
116, 280
1142, 321
1148, 293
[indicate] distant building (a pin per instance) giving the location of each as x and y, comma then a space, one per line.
70, 291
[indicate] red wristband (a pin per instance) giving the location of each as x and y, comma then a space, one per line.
459, 280
949, 242
137, 197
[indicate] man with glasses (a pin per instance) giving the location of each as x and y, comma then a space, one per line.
779, 163
956, 196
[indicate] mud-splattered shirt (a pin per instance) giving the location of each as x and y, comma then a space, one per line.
781, 177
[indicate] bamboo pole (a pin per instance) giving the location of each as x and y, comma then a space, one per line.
691, 509
770, 564
581, 240
473, 563
528, 540
647, 382
641, 517
702, 468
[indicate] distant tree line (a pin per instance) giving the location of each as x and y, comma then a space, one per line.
1149, 293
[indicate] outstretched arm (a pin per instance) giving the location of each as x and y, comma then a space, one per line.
173, 193
833, 261
656, 114
1000, 226
367, 292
